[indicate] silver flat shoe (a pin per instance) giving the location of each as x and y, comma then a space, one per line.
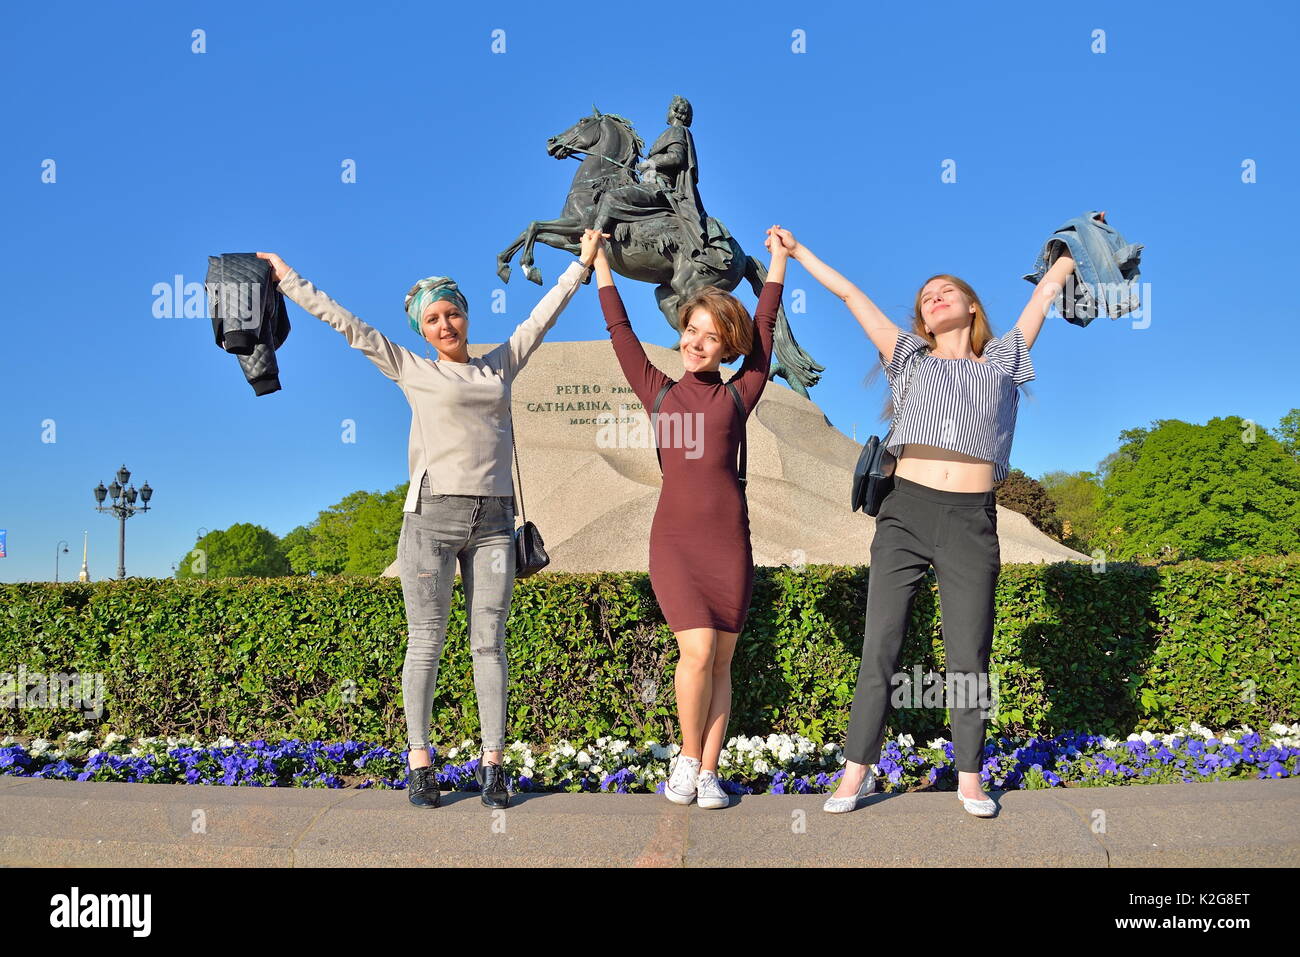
978, 807
836, 805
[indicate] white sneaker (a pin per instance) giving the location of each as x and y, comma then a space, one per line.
709, 791
680, 788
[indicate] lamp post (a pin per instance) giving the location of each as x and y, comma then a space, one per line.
56, 559
123, 506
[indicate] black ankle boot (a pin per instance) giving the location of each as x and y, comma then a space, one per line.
422, 787
492, 779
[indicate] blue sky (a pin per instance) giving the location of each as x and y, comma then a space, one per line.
164, 156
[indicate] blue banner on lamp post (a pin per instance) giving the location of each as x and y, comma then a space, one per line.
3, 553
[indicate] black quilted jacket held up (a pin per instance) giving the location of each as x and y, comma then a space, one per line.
249, 318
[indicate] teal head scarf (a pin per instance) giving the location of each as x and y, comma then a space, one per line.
428, 290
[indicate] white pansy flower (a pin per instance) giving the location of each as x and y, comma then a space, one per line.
761, 766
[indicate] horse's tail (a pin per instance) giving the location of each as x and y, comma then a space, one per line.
792, 362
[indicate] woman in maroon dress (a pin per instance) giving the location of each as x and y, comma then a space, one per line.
701, 563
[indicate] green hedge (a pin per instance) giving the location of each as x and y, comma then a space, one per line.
1132, 648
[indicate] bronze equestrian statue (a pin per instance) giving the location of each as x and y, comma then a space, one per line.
661, 233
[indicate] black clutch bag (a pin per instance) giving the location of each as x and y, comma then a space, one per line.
530, 550
873, 476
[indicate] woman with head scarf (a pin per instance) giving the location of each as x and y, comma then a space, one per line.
460, 503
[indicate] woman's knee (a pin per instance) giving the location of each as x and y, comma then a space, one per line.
695, 657
425, 643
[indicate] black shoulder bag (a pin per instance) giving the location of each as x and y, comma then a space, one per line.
739, 405
873, 477
530, 551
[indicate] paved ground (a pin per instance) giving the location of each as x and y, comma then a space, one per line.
68, 823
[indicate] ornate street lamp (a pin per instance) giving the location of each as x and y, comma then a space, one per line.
123, 506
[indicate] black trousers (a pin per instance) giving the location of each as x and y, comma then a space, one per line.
957, 533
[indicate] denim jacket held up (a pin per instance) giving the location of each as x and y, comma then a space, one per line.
1105, 273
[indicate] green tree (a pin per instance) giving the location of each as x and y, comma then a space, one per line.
1288, 431
297, 549
1217, 491
1077, 497
240, 550
376, 526
1025, 495
357, 536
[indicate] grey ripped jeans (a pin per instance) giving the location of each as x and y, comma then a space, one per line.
479, 531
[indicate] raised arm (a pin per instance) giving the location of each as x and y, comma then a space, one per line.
751, 378
642, 375
882, 332
1040, 300
529, 333
392, 360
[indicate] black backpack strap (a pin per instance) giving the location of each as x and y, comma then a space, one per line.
743, 429
655, 411
740, 406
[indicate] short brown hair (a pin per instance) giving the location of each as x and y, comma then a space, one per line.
734, 325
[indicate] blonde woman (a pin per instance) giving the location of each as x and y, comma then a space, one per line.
952, 441
460, 504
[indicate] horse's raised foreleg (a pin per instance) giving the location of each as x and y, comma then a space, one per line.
556, 232
507, 254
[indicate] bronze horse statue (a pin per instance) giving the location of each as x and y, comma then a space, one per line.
648, 249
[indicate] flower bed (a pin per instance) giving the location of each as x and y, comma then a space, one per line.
778, 764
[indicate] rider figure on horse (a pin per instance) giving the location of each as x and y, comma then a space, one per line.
668, 185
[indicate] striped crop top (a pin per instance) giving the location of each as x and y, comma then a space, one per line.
964, 405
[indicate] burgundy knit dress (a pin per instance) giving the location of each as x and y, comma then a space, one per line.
701, 563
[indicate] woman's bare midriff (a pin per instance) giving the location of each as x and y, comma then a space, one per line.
944, 469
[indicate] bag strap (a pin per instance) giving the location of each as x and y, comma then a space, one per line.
655, 411
522, 516
740, 405
743, 430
